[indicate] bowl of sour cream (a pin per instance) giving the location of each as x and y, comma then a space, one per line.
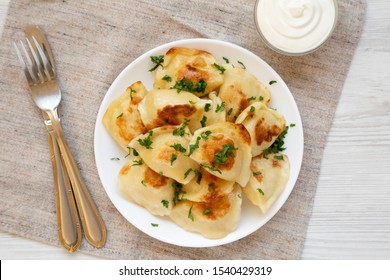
295, 27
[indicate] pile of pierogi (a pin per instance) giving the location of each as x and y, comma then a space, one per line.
198, 141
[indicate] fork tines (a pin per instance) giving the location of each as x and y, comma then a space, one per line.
36, 66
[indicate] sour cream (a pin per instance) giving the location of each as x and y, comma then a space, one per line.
295, 27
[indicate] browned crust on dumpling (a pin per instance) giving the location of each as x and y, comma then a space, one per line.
154, 179
217, 206
173, 114
243, 132
266, 133
186, 51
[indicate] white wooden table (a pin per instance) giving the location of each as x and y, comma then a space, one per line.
351, 215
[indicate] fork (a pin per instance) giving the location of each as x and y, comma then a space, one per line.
46, 93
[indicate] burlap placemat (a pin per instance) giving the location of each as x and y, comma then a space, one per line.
92, 42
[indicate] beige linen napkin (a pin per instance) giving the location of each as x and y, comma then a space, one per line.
92, 42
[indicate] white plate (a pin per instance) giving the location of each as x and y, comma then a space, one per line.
106, 148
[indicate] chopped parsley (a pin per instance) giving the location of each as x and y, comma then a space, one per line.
165, 203
256, 173
220, 107
279, 157
203, 121
211, 168
193, 147
230, 111
178, 147
251, 98
242, 64
252, 109
143, 183
131, 93
190, 216
179, 195
207, 107
137, 162
191, 102
205, 134
135, 153
161, 173
189, 86
220, 68
115, 158
292, 125
187, 172
276, 146
221, 157
199, 176
146, 142
260, 191
181, 131
261, 98
177, 185
120, 115
157, 60
272, 82
173, 158
167, 78
226, 60
154, 225
210, 186
207, 211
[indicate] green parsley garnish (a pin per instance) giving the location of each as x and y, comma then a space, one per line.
205, 134
131, 93
203, 121
207, 107
135, 153
200, 175
166, 78
193, 147
242, 64
272, 82
181, 131
115, 158
220, 68
178, 147
279, 157
158, 60
211, 185
261, 191
230, 111
191, 102
256, 173
143, 183
173, 158
207, 211
190, 216
137, 162
292, 125
261, 98
120, 115
211, 168
221, 157
177, 185
146, 142
154, 225
226, 60
187, 172
189, 86
165, 203
220, 107
251, 98
276, 146
161, 173
252, 109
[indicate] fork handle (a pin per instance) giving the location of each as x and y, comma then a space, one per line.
69, 231
93, 225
